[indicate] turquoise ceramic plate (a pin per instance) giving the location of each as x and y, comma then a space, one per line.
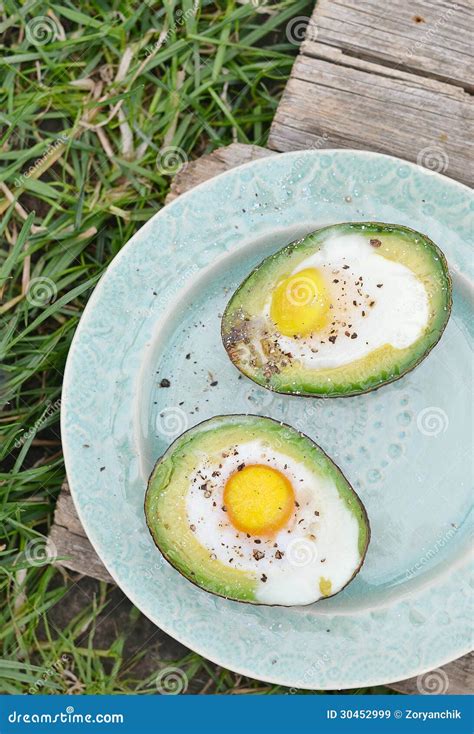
406, 448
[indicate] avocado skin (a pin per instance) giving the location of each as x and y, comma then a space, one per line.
362, 520
230, 334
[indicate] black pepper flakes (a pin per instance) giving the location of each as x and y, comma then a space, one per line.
375, 243
165, 383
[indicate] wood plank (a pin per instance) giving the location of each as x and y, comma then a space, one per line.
389, 77
68, 544
335, 105
428, 37
75, 552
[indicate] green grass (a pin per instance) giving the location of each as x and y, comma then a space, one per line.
90, 104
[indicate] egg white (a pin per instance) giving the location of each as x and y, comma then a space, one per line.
398, 316
320, 540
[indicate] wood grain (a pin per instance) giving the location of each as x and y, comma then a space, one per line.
329, 105
427, 37
350, 87
74, 551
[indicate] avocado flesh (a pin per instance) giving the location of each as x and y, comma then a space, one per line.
243, 315
165, 501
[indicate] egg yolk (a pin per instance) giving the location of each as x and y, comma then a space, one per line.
300, 303
259, 500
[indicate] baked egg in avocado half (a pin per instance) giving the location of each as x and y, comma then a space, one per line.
343, 311
252, 510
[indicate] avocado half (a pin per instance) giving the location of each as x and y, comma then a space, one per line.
251, 338
295, 568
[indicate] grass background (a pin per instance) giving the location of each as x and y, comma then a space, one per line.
92, 97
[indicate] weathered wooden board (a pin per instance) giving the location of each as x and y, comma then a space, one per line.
350, 87
430, 38
69, 544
